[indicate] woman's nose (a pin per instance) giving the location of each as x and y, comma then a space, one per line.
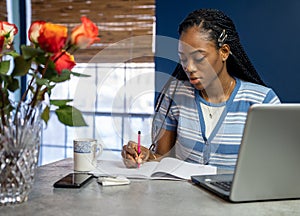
190, 67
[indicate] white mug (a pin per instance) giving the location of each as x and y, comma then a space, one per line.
86, 152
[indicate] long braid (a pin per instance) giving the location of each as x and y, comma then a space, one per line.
213, 22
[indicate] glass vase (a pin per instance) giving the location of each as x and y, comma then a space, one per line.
19, 151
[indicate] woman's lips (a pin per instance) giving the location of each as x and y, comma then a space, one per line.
194, 81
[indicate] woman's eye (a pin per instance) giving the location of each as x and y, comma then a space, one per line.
198, 60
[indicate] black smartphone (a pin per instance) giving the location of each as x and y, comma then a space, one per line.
73, 180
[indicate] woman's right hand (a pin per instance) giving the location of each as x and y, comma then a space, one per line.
130, 155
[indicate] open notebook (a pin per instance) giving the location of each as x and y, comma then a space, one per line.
167, 168
269, 158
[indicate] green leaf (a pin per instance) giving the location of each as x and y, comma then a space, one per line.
10, 83
41, 59
60, 103
51, 65
4, 67
13, 85
42, 81
30, 52
4, 101
49, 88
80, 74
41, 94
70, 116
53, 76
13, 53
22, 66
46, 114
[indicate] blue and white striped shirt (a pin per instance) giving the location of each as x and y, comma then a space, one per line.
185, 117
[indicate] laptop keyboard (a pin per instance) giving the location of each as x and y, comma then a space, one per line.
225, 185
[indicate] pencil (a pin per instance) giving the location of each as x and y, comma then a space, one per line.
139, 145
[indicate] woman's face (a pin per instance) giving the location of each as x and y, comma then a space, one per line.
200, 59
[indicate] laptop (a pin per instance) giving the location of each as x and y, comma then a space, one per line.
268, 164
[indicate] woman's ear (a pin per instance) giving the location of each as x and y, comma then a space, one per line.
224, 51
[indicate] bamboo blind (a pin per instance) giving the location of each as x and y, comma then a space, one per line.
3, 10
118, 21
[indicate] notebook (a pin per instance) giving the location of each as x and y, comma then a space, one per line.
268, 164
167, 168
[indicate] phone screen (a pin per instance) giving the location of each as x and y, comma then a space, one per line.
73, 180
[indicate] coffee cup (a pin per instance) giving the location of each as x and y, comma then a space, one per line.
86, 152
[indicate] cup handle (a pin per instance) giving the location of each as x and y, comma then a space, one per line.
97, 152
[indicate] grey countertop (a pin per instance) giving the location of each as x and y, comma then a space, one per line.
141, 197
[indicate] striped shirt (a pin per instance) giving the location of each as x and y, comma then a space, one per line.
185, 116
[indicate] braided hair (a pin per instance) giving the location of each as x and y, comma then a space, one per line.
216, 24
219, 29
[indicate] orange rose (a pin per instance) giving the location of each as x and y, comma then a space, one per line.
34, 31
7, 33
63, 60
85, 34
52, 37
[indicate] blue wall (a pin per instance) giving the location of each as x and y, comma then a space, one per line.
269, 31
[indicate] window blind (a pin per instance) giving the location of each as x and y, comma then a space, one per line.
3, 10
119, 21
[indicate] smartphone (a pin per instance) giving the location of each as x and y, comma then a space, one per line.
73, 180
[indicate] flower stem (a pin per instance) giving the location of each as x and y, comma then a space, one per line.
2, 109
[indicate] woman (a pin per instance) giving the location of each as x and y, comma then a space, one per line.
202, 111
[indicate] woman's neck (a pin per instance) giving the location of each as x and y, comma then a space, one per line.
219, 91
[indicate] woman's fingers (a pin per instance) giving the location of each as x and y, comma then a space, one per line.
131, 157
144, 155
131, 148
129, 161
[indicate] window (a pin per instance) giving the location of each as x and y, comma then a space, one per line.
115, 107
117, 99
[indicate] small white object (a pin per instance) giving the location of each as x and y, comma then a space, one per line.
111, 181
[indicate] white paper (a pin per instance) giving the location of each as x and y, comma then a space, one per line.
167, 168
113, 181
